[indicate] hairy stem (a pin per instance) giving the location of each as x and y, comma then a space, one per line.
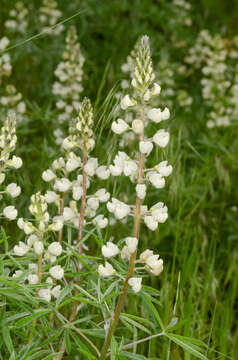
60, 235
83, 203
131, 267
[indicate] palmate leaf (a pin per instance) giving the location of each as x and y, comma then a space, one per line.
139, 319
82, 348
192, 346
38, 354
11, 293
152, 310
129, 355
28, 319
134, 323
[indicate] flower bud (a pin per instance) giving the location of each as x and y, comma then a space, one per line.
161, 138
57, 272
119, 126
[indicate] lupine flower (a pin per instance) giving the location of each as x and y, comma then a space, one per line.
68, 86
135, 283
13, 190
49, 16
11, 100
45, 294
18, 18
5, 61
110, 250
127, 102
55, 248
141, 191
164, 169
57, 272
8, 141
146, 147
145, 88
106, 270
20, 249
161, 138
119, 126
131, 243
33, 279
48, 175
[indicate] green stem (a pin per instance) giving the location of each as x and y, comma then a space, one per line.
83, 203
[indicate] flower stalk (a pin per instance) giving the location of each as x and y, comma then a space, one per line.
143, 88
83, 202
84, 124
137, 219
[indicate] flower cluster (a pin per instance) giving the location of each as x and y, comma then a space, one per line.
49, 16
5, 61
38, 209
182, 9
143, 90
68, 86
172, 93
12, 100
18, 18
36, 246
124, 165
214, 57
151, 262
80, 137
8, 141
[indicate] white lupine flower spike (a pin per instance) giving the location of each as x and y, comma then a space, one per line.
143, 89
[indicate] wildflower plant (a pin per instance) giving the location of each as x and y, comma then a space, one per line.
8, 140
18, 18
215, 58
47, 271
49, 15
11, 100
143, 88
5, 61
77, 147
35, 232
68, 86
